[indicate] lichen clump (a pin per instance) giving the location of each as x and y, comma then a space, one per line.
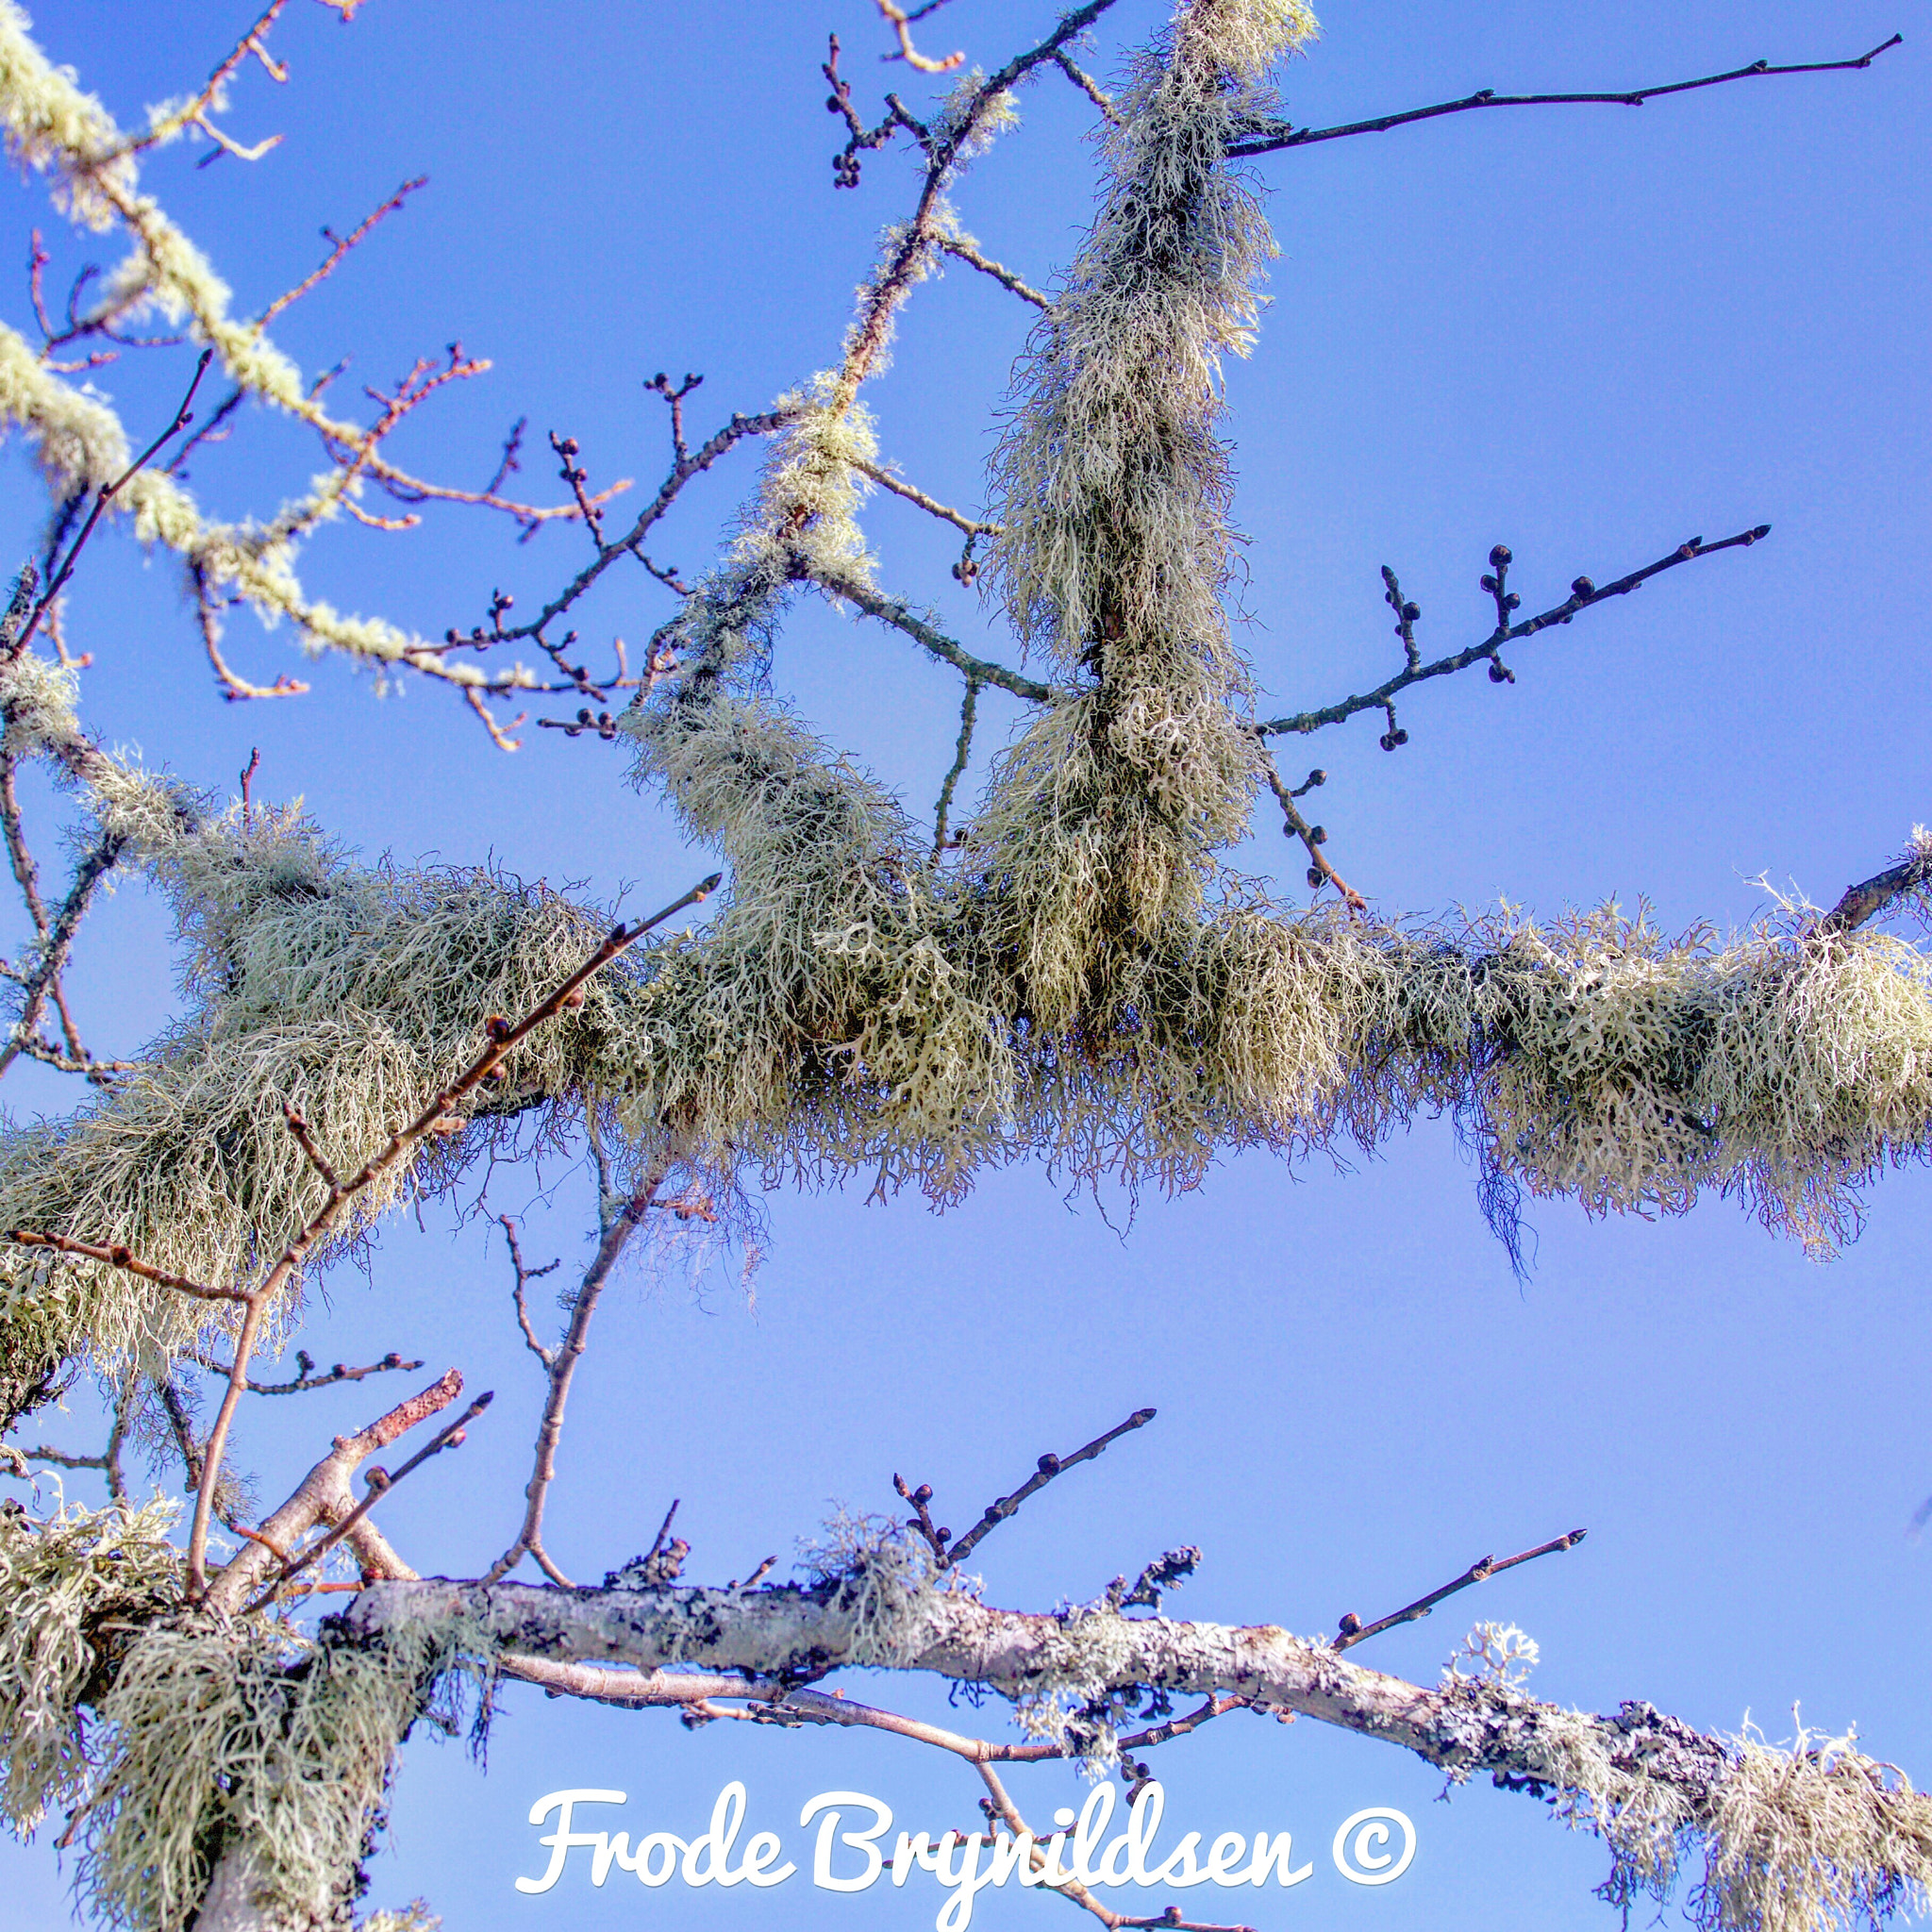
71, 1585
1796, 1838
249, 1740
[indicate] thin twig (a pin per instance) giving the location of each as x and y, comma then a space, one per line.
1269, 137
1354, 1631
1583, 594
1050, 1466
927, 636
525, 1275
305, 1377
958, 247
104, 496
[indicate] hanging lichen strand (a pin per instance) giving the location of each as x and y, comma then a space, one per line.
1112, 489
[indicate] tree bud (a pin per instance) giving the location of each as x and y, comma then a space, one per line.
1500, 558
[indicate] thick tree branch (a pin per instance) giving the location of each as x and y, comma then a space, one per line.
1866, 901
323, 1496
793, 1633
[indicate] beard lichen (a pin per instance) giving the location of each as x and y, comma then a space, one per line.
72, 1584
1803, 1837
249, 1741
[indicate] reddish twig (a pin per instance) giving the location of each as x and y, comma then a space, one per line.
103, 496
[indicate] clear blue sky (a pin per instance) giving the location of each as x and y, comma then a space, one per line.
1587, 332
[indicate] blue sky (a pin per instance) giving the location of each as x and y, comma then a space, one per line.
1587, 332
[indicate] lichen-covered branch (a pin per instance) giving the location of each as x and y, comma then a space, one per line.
1787, 1836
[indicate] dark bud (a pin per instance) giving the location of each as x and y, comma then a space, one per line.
1351, 1624
377, 1478
1411, 612
1500, 558
1314, 879
452, 636
496, 1027
1049, 1464
1512, 602
1392, 739
946, 1536
923, 1493
1318, 835
567, 446
339, 1369
1318, 777
119, 1255
391, 1360
1501, 674
1583, 588
1488, 583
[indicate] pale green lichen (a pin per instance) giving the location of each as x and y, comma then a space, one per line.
72, 1585
249, 1736
1804, 1837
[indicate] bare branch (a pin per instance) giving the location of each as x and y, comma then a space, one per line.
305, 1377
118, 1256
323, 1495
339, 247
104, 496
950, 1554
1269, 137
1865, 900
451, 1436
907, 52
899, 487
926, 634
1354, 1631
1583, 594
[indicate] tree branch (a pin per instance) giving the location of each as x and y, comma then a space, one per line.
790, 1632
1272, 136
1583, 594
901, 616
1354, 1631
